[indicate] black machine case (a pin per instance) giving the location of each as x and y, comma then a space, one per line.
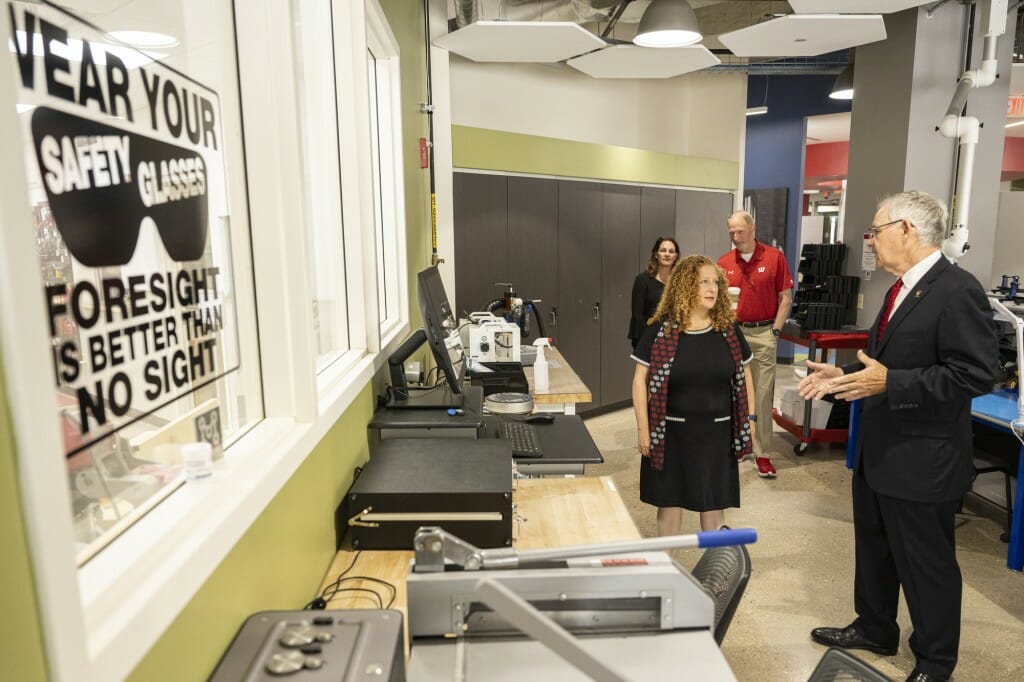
463, 485
347, 645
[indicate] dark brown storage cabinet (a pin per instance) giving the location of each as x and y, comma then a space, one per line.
576, 245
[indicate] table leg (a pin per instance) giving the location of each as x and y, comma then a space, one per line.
1015, 553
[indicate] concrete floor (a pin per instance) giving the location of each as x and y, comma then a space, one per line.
802, 564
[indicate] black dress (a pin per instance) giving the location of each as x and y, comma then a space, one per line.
700, 471
646, 295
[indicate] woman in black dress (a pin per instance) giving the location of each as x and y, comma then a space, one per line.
691, 390
649, 284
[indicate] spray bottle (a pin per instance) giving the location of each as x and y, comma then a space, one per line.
540, 365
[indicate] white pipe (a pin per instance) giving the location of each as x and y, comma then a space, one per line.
965, 128
955, 245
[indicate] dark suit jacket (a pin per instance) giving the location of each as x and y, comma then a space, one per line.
940, 350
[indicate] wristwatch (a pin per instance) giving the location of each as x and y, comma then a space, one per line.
776, 332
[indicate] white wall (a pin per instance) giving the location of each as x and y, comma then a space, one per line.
1009, 247
697, 114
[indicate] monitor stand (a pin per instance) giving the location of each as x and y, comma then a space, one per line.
432, 398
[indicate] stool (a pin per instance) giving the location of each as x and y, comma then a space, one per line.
985, 463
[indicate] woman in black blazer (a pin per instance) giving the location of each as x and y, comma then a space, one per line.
649, 284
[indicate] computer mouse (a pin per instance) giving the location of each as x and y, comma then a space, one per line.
542, 418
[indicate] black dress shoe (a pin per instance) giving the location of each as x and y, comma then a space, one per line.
850, 638
918, 676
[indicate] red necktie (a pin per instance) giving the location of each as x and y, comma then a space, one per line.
890, 300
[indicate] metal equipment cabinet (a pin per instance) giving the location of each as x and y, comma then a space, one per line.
576, 245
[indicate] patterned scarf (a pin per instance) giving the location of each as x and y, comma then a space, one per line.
663, 353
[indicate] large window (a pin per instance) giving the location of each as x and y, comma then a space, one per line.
385, 138
138, 231
361, 178
137, 194
318, 124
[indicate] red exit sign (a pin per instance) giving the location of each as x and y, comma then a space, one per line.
1015, 106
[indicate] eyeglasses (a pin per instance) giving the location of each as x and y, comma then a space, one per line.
875, 229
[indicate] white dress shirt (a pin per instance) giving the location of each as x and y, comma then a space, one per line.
912, 276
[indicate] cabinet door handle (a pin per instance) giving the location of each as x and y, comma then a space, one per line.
597, 310
554, 316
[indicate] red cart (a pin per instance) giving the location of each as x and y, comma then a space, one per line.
824, 342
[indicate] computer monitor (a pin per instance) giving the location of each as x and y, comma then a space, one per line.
442, 335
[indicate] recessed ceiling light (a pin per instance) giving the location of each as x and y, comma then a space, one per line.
144, 39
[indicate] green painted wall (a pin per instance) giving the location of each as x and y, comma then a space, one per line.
20, 634
514, 152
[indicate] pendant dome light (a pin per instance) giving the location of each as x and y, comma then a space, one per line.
843, 87
668, 23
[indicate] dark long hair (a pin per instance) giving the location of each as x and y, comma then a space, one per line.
652, 263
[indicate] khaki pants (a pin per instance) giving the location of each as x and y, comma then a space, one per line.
763, 345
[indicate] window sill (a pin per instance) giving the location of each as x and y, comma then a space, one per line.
134, 589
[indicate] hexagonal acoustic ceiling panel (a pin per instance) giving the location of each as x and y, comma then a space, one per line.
854, 6
520, 41
630, 61
805, 35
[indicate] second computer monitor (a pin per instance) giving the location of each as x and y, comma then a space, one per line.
440, 326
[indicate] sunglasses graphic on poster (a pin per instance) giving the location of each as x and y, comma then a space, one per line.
128, 188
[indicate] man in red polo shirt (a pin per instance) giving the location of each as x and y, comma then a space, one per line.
766, 293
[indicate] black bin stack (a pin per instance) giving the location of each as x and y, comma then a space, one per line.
825, 298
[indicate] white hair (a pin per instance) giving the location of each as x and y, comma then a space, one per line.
920, 209
744, 216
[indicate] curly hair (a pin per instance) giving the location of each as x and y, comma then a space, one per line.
682, 290
652, 262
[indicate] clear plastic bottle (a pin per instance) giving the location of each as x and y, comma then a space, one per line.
197, 459
540, 365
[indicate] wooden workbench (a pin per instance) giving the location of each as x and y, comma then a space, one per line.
565, 388
550, 512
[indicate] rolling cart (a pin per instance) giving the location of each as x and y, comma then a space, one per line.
815, 341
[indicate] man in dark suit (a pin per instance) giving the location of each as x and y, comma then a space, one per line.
931, 349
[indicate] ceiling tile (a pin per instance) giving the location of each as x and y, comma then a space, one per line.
631, 61
854, 6
520, 41
805, 35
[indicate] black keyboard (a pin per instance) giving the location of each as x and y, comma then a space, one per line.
523, 437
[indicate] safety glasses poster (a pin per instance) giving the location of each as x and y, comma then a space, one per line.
126, 181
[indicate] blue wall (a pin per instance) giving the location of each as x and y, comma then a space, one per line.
774, 155
775, 141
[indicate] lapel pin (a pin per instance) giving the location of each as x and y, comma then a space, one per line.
917, 294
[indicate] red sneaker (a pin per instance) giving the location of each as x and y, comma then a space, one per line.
765, 468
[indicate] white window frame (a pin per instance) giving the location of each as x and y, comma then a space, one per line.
100, 621
381, 42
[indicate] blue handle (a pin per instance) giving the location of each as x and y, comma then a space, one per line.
721, 538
